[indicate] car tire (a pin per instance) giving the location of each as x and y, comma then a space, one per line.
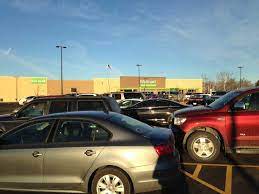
203, 147
113, 173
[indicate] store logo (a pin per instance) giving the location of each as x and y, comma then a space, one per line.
148, 83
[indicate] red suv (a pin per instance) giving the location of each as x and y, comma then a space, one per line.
229, 124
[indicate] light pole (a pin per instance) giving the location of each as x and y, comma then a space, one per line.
240, 74
61, 65
138, 65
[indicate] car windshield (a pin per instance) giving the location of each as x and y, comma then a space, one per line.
223, 100
131, 124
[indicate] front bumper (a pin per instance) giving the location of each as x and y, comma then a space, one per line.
159, 176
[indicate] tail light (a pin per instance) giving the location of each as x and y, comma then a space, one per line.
163, 150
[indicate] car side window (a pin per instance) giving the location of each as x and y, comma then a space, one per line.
254, 102
116, 96
33, 110
58, 106
251, 102
91, 105
80, 131
36, 133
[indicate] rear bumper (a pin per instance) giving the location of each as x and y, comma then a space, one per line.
159, 176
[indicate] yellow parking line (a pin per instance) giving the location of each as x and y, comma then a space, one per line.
203, 182
228, 179
223, 165
197, 170
228, 182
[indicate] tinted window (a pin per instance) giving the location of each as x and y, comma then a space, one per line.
78, 131
33, 110
58, 106
32, 134
91, 105
162, 103
133, 95
147, 103
116, 96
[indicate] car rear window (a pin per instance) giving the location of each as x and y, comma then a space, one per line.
132, 124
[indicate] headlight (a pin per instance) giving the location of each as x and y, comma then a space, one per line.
179, 120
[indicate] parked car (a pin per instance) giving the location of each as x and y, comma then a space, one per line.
129, 102
153, 111
230, 124
49, 105
188, 95
81, 152
198, 99
118, 96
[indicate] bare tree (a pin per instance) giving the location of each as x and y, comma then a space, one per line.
222, 79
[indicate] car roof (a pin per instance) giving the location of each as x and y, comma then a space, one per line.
72, 97
248, 89
101, 115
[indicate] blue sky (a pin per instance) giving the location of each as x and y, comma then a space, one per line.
177, 39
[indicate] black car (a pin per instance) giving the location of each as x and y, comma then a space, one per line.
48, 105
199, 99
153, 111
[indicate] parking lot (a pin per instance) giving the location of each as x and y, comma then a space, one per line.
232, 174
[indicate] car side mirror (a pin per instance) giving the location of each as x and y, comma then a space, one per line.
239, 106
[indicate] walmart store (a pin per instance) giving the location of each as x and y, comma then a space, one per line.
15, 88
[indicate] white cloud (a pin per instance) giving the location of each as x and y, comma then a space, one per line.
17, 61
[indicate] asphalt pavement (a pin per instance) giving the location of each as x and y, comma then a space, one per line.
231, 174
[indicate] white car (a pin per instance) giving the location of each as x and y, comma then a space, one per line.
119, 96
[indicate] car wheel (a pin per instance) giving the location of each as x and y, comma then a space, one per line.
203, 147
110, 180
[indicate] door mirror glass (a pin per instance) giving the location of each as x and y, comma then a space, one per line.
240, 106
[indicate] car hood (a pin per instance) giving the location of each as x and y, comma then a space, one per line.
6, 117
193, 110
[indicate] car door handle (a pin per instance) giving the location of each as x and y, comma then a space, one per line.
90, 152
36, 154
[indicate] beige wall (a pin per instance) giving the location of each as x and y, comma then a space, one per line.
7, 88
185, 84
105, 85
15, 88
82, 86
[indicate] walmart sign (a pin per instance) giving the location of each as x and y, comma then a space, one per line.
148, 84
38, 80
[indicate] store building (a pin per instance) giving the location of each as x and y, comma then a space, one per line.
15, 88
